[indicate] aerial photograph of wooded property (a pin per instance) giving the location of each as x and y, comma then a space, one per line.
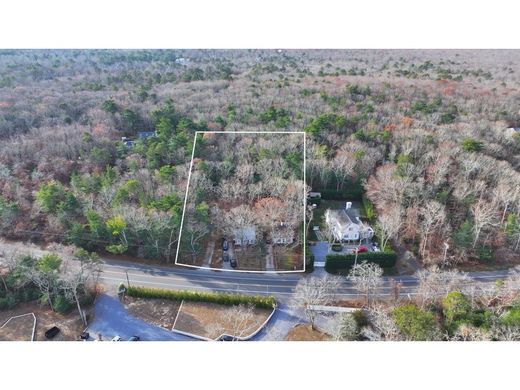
246, 195
259, 195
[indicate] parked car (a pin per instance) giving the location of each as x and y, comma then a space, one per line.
233, 262
375, 248
84, 336
227, 338
225, 244
336, 247
134, 338
117, 338
225, 257
361, 249
52, 332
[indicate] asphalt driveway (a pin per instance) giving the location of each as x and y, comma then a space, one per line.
111, 319
320, 250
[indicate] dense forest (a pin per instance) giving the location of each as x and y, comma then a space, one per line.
424, 134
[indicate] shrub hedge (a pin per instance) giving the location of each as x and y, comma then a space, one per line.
196, 296
7, 303
309, 260
336, 247
335, 263
316, 201
61, 304
353, 191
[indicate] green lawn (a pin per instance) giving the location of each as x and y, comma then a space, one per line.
252, 258
319, 212
319, 215
288, 259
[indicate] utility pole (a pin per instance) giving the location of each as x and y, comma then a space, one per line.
396, 288
446, 247
357, 252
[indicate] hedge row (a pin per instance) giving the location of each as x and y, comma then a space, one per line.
352, 193
309, 260
196, 296
316, 201
10, 300
335, 263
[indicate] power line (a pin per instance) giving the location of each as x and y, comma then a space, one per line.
88, 239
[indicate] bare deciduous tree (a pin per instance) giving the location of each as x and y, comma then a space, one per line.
236, 321
435, 283
381, 325
467, 332
484, 216
80, 273
343, 167
367, 278
344, 327
314, 291
433, 216
238, 223
389, 225
505, 194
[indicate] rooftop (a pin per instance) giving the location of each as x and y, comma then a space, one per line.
340, 216
247, 233
145, 134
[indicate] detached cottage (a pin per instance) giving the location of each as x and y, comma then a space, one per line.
244, 236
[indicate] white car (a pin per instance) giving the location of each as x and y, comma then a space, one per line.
117, 338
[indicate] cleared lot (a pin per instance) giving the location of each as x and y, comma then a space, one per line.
211, 320
70, 324
304, 332
160, 312
18, 328
113, 319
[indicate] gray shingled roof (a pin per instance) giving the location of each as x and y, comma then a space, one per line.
340, 216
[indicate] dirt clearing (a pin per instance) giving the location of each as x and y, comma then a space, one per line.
18, 328
70, 324
304, 332
211, 320
160, 312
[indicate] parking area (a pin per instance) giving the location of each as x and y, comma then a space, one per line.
112, 319
352, 225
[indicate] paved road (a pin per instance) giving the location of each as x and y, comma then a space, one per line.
279, 285
112, 318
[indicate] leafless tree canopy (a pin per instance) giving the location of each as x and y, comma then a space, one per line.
425, 134
314, 291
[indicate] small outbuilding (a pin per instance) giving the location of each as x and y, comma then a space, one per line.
244, 236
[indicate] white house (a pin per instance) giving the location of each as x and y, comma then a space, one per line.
345, 226
282, 234
244, 236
